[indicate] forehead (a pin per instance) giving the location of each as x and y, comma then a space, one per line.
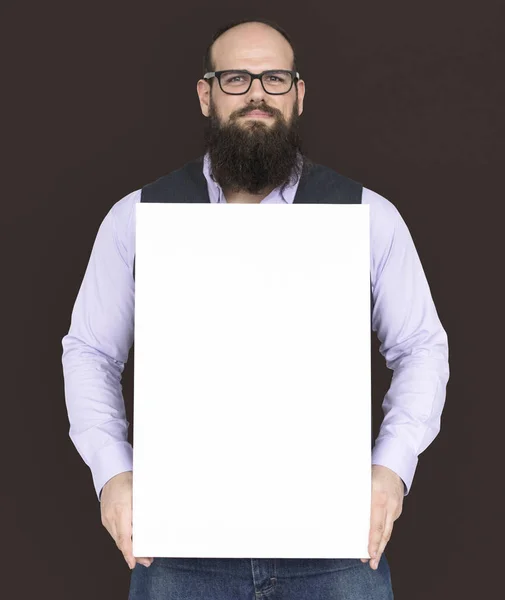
252, 46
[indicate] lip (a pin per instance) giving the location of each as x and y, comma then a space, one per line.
257, 113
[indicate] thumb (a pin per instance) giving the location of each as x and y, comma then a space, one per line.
147, 562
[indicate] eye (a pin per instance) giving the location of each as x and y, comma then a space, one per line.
279, 78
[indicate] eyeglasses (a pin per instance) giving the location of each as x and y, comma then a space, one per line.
238, 82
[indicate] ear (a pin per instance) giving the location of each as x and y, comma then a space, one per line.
301, 94
203, 91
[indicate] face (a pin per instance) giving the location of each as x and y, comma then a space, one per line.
247, 151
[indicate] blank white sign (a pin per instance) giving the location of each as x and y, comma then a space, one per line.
252, 385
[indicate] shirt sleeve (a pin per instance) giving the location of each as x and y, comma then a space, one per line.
413, 343
96, 349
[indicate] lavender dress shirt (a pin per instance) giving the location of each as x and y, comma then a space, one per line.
96, 347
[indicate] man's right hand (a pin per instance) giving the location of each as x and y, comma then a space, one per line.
116, 509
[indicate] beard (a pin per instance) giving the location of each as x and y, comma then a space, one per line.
253, 156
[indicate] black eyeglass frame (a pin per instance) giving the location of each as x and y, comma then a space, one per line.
295, 76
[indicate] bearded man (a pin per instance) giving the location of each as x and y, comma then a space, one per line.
252, 96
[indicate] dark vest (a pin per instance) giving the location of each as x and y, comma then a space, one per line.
318, 185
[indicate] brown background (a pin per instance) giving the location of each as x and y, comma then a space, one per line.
100, 98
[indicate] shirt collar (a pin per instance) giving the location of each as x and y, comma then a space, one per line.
216, 192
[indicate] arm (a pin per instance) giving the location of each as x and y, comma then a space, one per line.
413, 343
96, 349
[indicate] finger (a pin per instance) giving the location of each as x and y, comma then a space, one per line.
124, 536
146, 562
385, 539
365, 560
114, 527
377, 523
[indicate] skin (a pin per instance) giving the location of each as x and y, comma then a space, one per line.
255, 47
386, 507
116, 512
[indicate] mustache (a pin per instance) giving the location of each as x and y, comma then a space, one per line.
263, 108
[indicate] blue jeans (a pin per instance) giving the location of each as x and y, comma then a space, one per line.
255, 578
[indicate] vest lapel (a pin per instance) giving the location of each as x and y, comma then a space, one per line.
322, 185
187, 184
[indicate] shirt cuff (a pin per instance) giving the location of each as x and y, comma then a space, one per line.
394, 454
110, 461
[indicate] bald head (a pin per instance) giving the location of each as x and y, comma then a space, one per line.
252, 133
252, 44
256, 47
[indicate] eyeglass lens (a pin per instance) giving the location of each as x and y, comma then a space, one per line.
236, 82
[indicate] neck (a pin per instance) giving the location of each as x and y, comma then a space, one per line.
243, 197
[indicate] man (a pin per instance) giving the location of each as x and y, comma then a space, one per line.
253, 154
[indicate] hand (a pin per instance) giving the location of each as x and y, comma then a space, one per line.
116, 509
387, 501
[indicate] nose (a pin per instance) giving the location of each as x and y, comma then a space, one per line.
256, 91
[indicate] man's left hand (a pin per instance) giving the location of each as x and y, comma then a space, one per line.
387, 501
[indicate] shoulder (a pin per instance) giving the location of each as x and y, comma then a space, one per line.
124, 208
383, 213
123, 218
385, 220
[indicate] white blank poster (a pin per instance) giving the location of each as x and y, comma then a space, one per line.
252, 419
